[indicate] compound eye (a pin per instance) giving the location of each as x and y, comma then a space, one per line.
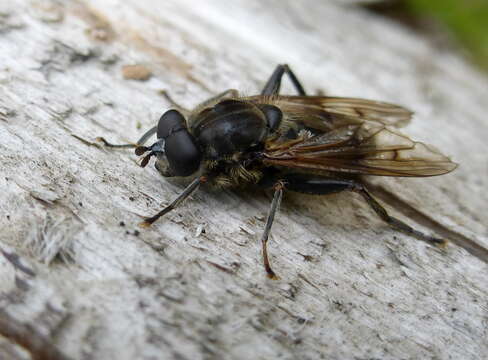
183, 155
273, 116
170, 122
182, 152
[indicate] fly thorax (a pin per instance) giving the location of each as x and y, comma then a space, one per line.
230, 127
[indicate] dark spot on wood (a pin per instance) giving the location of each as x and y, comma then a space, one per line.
220, 267
308, 258
14, 259
143, 281
21, 284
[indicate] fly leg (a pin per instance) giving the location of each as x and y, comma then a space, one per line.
174, 104
273, 85
227, 94
303, 183
190, 189
317, 185
275, 204
394, 222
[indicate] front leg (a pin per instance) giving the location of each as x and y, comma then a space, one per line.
190, 189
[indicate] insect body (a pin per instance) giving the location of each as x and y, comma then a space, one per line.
308, 144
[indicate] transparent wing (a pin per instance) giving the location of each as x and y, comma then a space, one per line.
369, 148
327, 113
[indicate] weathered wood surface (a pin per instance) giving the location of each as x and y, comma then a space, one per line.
76, 284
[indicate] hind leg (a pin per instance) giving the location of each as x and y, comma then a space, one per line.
317, 185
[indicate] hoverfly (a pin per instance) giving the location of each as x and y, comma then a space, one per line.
306, 144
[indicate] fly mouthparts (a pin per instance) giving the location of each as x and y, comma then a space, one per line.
157, 147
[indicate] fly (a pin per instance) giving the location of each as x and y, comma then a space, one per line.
307, 144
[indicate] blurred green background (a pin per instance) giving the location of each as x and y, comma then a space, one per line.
466, 21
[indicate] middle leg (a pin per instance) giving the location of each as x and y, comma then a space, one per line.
299, 183
273, 85
275, 204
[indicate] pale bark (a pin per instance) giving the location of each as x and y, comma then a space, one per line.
80, 280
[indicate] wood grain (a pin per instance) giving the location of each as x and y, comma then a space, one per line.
80, 280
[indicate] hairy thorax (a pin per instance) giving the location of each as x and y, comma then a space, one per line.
232, 172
